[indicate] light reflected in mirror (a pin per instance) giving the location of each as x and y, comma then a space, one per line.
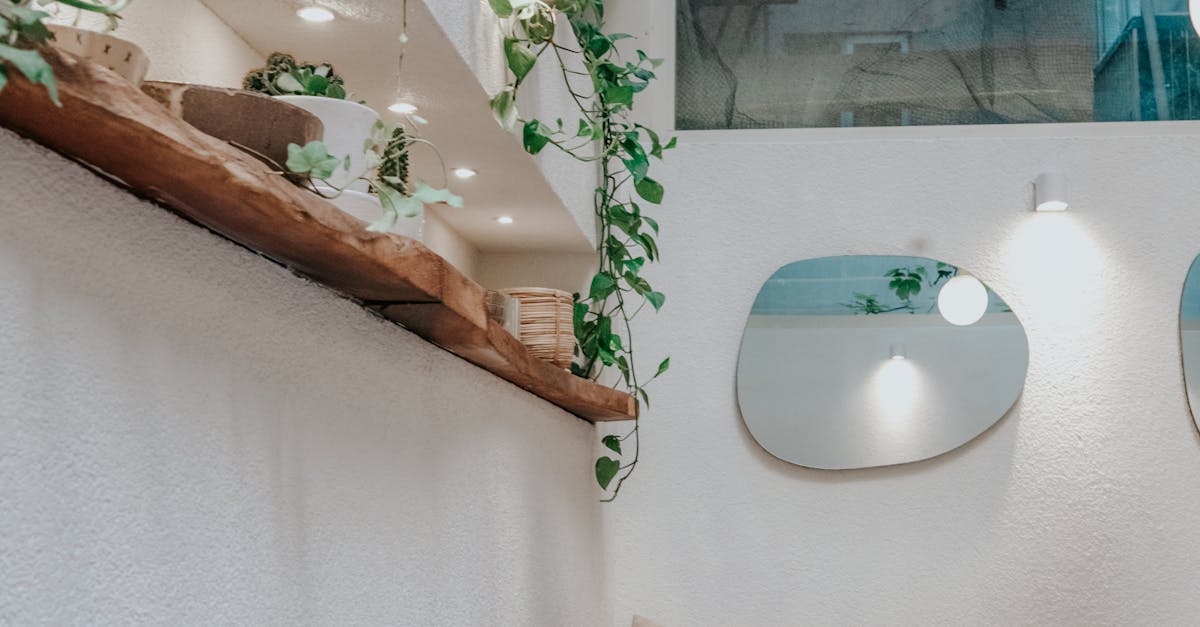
864, 361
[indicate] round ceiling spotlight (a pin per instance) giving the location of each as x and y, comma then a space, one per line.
505, 220
963, 300
403, 108
315, 14
464, 173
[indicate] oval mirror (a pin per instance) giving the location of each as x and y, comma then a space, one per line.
863, 361
1189, 335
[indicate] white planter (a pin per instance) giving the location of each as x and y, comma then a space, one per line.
123, 57
348, 126
367, 208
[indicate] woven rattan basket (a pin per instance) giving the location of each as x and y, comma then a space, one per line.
547, 325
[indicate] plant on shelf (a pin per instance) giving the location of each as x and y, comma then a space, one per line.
384, 148
23, 34
284, 76
603, 87
387, 174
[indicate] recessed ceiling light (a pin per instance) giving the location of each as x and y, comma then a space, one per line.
315, 14
403, 108
464, 173
505, 220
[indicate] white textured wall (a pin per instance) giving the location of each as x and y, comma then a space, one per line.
190, 434
1080, 508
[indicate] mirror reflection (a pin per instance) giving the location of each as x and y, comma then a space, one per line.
863, 361
1189, 333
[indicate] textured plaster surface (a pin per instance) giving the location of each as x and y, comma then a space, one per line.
190, 434
1078, 508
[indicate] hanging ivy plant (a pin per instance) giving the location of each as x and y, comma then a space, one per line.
603, 87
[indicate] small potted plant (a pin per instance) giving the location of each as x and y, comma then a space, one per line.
24, 32
320, 91
98, 46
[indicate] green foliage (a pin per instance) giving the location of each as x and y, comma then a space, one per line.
604, 87
284, 76
387, 173
906, 284
23, 33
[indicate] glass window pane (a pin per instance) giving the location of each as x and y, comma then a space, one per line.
829, 63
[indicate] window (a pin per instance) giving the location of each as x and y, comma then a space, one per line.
828, 63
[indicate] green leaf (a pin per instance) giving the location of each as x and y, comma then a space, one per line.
603, 284
3, 77
585, 129
335, 91
663, 367
520, 58
289, 83
536, 136
504, 108
653, 224
658, 299
613, 443
502, 8
313, 160
651, 190
619, 94
316, 85
31, 64
431, 196
606, 470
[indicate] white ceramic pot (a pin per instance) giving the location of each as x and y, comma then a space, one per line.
348, 126
367, 208
123, 57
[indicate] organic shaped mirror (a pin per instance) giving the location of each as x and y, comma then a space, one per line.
856, 362
1189, 333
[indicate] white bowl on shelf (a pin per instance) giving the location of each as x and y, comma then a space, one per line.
123, 57
348, 127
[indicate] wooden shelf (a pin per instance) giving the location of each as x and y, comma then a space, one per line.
108, 124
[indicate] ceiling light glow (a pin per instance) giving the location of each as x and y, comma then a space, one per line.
464, 173
505, 220
315, 14
403, 108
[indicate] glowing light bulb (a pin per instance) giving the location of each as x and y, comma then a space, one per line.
315, 14
403, 108
464, 173
505, 220
963, 300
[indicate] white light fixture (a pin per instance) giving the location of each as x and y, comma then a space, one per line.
1050, 192
315, 14
505, 220
464, 173
963, 300
403, 108
898, 352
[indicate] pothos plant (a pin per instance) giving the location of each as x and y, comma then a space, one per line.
603, 86
23, 35
387, 149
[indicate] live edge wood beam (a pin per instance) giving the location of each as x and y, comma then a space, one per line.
108, 124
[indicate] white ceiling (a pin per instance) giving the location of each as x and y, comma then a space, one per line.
363, 46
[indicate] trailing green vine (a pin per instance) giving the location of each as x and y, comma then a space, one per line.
23, 33
603, 87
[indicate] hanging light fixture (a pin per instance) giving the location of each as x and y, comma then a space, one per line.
963, 300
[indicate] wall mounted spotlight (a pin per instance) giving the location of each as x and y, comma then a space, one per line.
1050, 192
898, 352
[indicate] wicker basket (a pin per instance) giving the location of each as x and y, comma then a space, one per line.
547, 323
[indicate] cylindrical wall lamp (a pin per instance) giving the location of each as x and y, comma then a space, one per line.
1050, 192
